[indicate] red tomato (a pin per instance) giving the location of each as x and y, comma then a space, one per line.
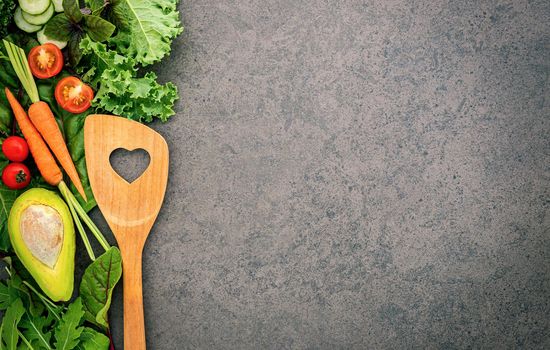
45, 61
16, 176
15, 148
73, 95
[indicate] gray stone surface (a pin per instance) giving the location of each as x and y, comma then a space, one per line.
355, 174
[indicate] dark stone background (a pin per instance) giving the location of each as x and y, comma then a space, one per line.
354, 174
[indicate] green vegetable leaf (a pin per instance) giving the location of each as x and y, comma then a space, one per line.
99, 58
7, 197
96, 6
121, 91
97, 28
7, 9
33, 330
96, 288
145, 28
91, 339
73, 47
58, 28
4, 297
68, 331
72, 10
10, 322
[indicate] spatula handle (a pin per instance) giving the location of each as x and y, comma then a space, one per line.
134, 322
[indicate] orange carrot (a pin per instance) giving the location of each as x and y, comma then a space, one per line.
42, 117
42, 156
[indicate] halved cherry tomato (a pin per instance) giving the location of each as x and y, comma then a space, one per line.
73, 95
16, 176
15, 148
45, 61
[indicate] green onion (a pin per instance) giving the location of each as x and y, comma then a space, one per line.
20, 64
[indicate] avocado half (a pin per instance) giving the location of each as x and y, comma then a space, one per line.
42, 234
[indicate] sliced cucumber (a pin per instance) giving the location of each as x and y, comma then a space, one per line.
22, 24
40, 19
42, 39
58, 5
34, 7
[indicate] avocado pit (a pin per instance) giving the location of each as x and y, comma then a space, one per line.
42, 231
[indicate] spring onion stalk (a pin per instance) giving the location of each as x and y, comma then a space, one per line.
18, 59
63, 190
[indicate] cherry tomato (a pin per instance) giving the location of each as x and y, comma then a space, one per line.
73, 95
16, 176
15, 148
45, 61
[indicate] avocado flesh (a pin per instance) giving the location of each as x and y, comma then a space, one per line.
42, 234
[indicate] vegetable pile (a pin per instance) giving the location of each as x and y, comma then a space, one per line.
61, 60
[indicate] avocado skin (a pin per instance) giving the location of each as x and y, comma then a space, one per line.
57, 282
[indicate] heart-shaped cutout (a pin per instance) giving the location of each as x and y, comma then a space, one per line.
130, 165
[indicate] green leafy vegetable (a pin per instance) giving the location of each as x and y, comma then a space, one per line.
68, 332
121, 91
7, 9
33, 330
10, 334
91, 339
96, 288
73, 25
7, 197
27, 329
145, 27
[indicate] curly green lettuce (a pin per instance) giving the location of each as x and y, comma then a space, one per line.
119, 88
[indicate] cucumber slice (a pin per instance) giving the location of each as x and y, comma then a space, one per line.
22, 24
39, 19
58, 4
42, 39
34, 7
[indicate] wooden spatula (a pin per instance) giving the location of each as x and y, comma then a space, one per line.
129, 208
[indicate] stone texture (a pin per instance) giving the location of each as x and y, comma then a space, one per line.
354, 174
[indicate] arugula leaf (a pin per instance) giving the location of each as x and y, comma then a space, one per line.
96, 288
7, 197
4, 297
91, 339
145, 28
68, 332
9, 324
33, 330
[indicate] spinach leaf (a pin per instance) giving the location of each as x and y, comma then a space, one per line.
96, 288
10, 322
68, 331
91, 339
